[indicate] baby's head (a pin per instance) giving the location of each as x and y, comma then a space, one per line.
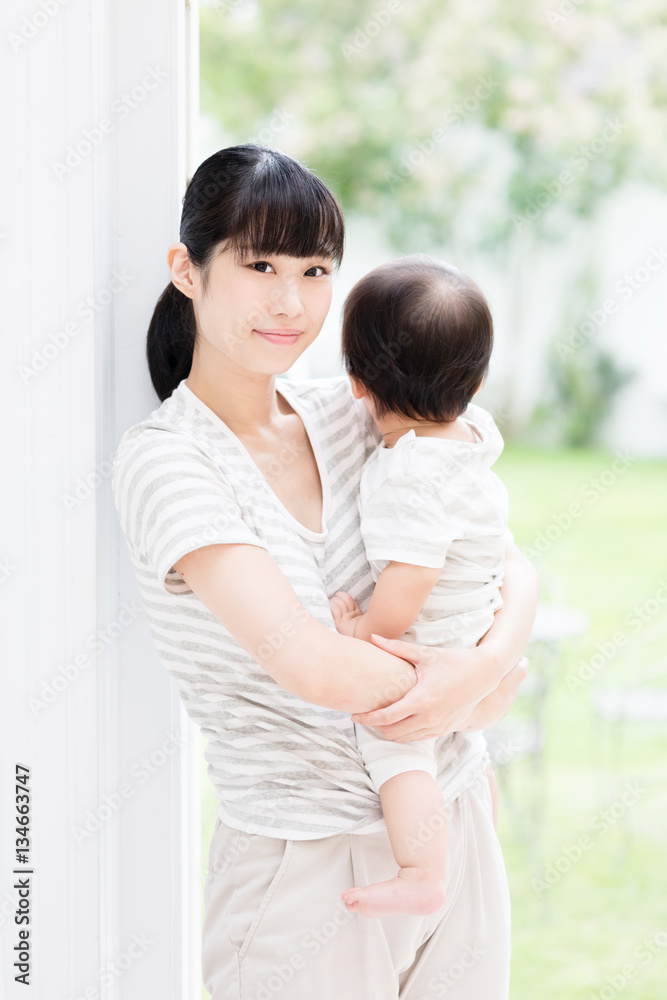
417, 336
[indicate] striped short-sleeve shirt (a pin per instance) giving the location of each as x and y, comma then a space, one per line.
181, 479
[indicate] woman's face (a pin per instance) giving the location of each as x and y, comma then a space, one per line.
259, 314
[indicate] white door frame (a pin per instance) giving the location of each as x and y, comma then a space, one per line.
100, 103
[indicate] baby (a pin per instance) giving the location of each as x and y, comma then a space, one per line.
417, 338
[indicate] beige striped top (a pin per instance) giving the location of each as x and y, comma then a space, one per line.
181, 479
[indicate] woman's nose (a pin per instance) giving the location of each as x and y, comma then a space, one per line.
285, 300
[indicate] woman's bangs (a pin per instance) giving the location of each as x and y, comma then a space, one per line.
294, 215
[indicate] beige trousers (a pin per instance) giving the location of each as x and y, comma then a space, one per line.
276, 927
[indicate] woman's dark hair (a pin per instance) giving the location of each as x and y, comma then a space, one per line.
249, 199
417, 334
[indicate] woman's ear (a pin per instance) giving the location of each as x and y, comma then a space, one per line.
181, 268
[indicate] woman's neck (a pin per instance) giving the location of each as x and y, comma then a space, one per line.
245, 401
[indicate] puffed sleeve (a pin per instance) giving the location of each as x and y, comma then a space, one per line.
405, 520
172, 498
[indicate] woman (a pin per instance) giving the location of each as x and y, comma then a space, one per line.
237, 497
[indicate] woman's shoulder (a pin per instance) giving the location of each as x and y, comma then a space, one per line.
174, 438
330, 389
172, 419
330, 399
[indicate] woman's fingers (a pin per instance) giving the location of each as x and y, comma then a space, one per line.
496, 705
395, 731
434, 702
404, 731
511, 682
410, 651
416, 736
396, 712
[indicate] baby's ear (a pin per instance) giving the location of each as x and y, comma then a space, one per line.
358, 390
480, 385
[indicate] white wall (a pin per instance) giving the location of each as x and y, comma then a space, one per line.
634, 232
114, 763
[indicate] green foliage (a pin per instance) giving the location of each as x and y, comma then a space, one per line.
584, 387
450, 121
583, 379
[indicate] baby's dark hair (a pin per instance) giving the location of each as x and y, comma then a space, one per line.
417, 334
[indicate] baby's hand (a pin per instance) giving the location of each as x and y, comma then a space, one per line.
345, 612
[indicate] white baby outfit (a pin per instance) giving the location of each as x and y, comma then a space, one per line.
435, 502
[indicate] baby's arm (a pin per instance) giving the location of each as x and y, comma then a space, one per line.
400, 594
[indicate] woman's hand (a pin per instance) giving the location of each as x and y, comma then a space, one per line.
496, 705
446, 697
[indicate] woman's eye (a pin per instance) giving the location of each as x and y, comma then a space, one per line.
262, 266
316, 267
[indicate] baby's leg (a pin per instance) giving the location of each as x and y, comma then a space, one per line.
415, 814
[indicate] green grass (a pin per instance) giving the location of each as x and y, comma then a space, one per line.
570, 937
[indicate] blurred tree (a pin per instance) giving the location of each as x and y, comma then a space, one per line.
458, 121
582, 395
584, 378
482, 125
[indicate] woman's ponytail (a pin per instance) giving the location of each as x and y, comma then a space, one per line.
171, 341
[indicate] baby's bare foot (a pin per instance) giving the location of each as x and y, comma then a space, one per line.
413, 890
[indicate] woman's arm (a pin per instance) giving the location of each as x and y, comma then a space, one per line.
507, 638
250, 595
453, 681
496, 705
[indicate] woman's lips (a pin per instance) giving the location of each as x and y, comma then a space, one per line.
283, 337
